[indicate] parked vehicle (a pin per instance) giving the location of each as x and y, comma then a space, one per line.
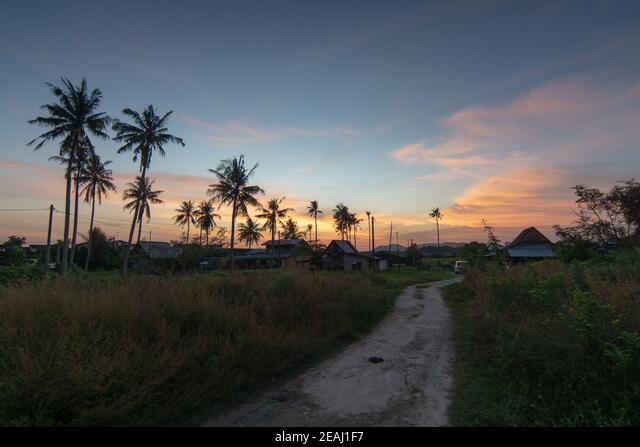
461, 267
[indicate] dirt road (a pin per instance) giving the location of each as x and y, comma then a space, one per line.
410, 387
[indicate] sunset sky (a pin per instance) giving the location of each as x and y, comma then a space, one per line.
488, 109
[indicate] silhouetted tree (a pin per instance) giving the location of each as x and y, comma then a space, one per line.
70, 119
437, 215
186, 216
250, 232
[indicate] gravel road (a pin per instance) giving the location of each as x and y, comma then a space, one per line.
409, 387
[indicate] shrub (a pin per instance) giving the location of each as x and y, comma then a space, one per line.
549, 344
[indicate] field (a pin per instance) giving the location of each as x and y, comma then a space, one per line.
102, 349
548, 344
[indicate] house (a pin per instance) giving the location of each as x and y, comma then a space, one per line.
530, 244
157, 250
289, 253
342, 255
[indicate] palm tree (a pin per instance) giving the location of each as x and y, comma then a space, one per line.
98, 181
437, 215
250, 232
273, 213
290, 229
186, 215
232, 188
341, 219
354, 223
313, 210
147, 134
84, 153
70, 119
310, 229
141, 196
206, 218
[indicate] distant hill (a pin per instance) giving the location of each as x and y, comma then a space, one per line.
421, 247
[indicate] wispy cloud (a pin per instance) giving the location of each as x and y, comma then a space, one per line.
241, 132
524, 155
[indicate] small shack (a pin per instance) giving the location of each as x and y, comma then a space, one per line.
342, 255
530, 245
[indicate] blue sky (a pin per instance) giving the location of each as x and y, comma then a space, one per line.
395, 107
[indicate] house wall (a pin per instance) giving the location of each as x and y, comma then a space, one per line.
349, 260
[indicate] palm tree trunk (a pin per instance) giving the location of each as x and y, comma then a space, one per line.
273, 241
315, 218
207, 233
369, 231
200, 237
127, 249
139, 229
233, 230
67, 208
93, 209
438, 231
75, 222
188, 229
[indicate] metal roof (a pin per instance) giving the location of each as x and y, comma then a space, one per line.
530, 251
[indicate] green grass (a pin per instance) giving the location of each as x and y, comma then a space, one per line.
548, 344
102, 349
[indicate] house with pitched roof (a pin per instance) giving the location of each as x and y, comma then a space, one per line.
342, 255
529, 245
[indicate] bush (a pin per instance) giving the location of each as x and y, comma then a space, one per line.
95, 349
549, 344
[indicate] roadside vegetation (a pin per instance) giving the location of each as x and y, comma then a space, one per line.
556, 342
106, 349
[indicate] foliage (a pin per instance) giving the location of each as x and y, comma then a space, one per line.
14, 254
605, 217
290, 229
106, 349
549, 344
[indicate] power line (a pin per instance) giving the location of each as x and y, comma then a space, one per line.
24, 209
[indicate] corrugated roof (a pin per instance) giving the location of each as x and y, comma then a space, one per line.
160, 250
345, 246
530, 251
285, 242
529, 236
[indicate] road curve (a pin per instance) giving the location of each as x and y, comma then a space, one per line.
410, 387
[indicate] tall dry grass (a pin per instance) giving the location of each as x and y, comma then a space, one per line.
150, 350
549, 344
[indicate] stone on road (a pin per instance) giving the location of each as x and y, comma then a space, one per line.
408, 382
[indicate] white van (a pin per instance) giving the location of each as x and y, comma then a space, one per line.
461, 267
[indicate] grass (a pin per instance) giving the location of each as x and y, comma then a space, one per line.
548, 344
102, 349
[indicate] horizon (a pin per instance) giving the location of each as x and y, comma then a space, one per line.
396, 109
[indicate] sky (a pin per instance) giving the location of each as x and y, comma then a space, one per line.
487, 109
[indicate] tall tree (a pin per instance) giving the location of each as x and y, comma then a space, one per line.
250, 232
313, 210
290, 229
141, 196
310, 229
147, 134
272, 213
206, 217
84, 153
232, 188
186, 215
98, 181
71, 119
437, 215
341, 220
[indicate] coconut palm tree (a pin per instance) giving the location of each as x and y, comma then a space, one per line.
232, 188
250, 232
186, 216
98, 181
309, 229
354, 224
313, 210
290, 229
70, 119
341, 220
437, 215
147, 134
206, 218
141, 196
272, 213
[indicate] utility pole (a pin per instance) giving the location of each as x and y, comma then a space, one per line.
397, 246
373, 241
390, 236
46, 253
